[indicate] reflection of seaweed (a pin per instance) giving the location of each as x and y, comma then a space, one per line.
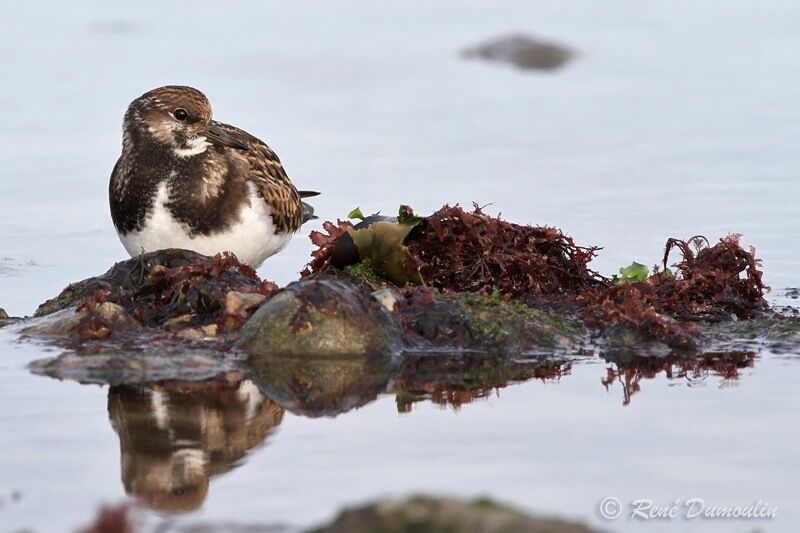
458, 379
630, 373
113, 519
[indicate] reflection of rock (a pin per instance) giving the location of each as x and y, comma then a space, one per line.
175, 435
321, 386
131, 364
417, 514
430, 514
523, 52
322, 318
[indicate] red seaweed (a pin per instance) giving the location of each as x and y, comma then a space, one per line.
325, 243
463, 251
457, 251
710, 283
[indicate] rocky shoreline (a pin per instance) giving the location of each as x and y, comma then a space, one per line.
471, 293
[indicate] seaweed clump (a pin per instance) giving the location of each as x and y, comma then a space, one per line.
711, 283
464, 251
457, 251
168, 289
199, 290
326, 244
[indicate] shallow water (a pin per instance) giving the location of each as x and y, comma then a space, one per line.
675, 119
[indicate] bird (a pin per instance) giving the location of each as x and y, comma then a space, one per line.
184, 180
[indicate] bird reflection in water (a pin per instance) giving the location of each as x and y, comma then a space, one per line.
175, 435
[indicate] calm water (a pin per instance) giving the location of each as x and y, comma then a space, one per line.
676, 119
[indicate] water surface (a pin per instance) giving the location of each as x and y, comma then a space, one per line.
677, 118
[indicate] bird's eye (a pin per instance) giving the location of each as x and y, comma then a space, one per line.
181, 114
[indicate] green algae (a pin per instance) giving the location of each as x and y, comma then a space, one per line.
497, 322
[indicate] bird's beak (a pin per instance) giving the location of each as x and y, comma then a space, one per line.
220, 137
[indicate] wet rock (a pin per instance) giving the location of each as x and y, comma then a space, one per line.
387, 297
470, 321
522, 51
73, 321
322, 318
159, 286
622, 340
6, 320
785, 330
422, 514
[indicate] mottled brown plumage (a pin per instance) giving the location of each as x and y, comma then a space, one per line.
267, 172
186, 180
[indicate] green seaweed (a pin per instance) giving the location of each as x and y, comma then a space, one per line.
382, 243
364, 273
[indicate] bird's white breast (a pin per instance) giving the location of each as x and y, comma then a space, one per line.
252, 238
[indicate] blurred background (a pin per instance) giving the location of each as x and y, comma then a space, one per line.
673, 118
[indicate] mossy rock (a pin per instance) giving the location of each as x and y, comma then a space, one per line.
425, 514
497, 322
322, 318
470, 321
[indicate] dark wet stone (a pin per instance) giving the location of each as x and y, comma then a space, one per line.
426, 514
469, 321
66, 322
322, 318
141, 277
623, 340
522, 51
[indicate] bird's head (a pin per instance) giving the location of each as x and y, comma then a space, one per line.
177, 117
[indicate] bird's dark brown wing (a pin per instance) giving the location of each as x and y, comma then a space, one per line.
267, 173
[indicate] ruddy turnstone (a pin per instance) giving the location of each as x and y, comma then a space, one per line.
187, 181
